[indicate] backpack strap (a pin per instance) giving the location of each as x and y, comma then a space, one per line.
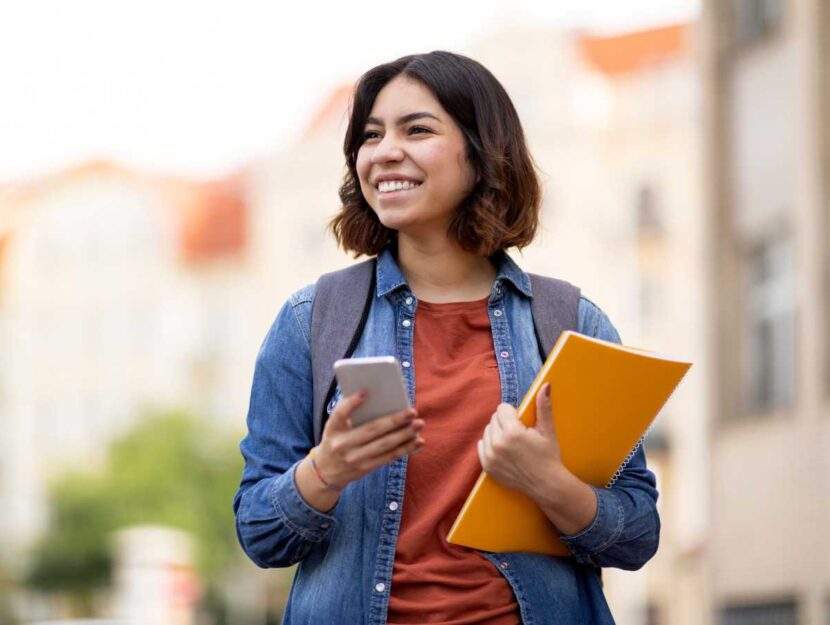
339, 310
555, 308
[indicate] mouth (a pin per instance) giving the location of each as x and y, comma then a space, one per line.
394, 187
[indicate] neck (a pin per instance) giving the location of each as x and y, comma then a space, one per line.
441, 271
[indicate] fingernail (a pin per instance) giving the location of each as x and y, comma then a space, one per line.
547, 391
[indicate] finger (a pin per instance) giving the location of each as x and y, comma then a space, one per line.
494, 421
486, 453
544, 411
408, 447
507, 417
381, 446
339, 417
488, 434
381, 426
480, 450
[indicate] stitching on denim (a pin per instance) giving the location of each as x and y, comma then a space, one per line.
618, 528
297, 318
293, 526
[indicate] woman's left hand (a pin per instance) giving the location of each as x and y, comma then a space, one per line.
520, 457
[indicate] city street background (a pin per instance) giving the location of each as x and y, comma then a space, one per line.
167, 171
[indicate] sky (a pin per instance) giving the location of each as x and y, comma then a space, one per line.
198, 88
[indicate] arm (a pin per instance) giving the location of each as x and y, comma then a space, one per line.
625, 531
283, 506
616, 527
274, 524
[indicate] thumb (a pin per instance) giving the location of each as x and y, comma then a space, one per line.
544, 411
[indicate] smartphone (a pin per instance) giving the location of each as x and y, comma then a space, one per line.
381, 376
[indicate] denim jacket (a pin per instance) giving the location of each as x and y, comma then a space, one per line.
345, 557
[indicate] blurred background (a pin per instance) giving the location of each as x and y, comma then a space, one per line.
166, 174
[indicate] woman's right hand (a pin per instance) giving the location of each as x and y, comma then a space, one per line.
347, 453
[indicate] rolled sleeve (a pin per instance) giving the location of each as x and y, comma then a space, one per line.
602, 532
295, 512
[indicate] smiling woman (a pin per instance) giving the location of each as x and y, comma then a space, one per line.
438, 185
450, 124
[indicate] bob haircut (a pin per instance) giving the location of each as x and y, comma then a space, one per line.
502, 210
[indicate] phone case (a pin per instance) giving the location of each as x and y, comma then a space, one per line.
381, 376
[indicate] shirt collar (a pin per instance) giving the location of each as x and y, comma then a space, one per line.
390, 278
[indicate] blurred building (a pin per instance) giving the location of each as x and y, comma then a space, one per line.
767, 179
118, 295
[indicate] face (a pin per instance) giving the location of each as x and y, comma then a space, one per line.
412, 165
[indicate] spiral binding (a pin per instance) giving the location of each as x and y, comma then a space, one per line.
628, 458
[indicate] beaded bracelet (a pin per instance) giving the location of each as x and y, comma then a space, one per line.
320, 475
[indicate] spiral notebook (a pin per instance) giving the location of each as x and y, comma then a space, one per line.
605, 396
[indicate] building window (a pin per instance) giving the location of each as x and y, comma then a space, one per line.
753, 20
770, 347
783, 613
648, 212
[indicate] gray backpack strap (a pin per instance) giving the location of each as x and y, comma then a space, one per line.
341, 304
555, 308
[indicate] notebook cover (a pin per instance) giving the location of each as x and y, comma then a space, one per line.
604, 398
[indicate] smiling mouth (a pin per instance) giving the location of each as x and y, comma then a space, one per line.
393, 186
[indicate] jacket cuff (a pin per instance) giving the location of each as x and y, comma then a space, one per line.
295, 512
603, 530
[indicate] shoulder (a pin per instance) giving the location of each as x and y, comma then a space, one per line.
293, 321
594, 322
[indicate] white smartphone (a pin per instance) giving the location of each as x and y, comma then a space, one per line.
381, 376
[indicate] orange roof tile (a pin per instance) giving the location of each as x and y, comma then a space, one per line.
210, 217
635, 51
213, 221
332, 112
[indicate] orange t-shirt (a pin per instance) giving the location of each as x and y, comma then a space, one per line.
457, 390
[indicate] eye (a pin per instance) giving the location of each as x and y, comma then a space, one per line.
419, 130
370, 134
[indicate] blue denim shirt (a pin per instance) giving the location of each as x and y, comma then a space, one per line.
346, 556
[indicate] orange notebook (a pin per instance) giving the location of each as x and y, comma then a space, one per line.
604, 397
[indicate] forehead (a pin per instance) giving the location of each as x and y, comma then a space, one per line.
402, 95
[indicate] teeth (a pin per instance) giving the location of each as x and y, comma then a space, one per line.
397, 185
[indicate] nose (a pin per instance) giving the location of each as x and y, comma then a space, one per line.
388, 150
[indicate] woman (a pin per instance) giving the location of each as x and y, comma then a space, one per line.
439, 183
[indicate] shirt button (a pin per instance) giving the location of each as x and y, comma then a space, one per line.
497, 313
380, 587
408, 301
393, 506
503, 565
504, 354
405, 364
406, 323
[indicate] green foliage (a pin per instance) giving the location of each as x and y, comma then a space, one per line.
172, 470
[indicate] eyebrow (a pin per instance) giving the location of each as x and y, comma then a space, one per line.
403, 120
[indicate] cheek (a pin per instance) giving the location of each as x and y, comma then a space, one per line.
362, 165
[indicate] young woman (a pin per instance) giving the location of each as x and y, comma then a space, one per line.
439, 184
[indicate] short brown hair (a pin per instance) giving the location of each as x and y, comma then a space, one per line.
502, 210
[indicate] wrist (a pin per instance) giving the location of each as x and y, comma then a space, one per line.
556, 483
312, 490
321, 475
